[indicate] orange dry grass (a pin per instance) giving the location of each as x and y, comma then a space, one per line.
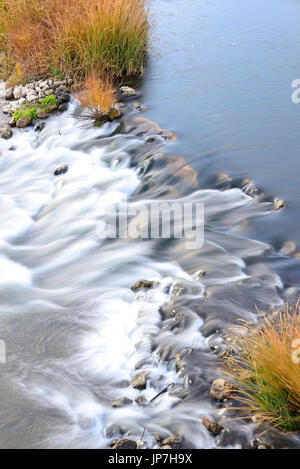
74, 36
267, 370
98, 95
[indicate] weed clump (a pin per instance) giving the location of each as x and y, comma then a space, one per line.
31, 111
265, 366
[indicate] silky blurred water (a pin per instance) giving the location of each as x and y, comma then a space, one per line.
219, 80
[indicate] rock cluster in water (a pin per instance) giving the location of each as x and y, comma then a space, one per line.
30, 96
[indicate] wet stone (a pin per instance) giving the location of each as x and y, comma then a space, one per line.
221, 390
114, 430
140, 381
127, 91
63, 169
141, 400
144, 284
212, 426
63, 107
6, 133
123, 443
173, 440
278, 204
123, 402
39, 126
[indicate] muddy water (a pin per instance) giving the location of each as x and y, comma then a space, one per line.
76, 335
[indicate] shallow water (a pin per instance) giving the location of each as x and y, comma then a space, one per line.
75, 333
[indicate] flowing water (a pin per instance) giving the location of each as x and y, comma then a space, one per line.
219, 79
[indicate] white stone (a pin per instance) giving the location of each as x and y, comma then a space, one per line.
32, 96
18, 92
25, 90
6, 109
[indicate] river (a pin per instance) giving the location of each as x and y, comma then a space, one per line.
217, 97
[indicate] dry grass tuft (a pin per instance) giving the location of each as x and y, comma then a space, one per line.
265, 366
98, 95
73, 37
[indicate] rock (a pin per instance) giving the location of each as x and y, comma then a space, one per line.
212, 326
140, 381
127, 91
63, 107
144, 284
123, 402
52, 107
23, 122
12, 122
114, 113
115, 430
25, 91
173, 440
48, 92
39, 126
41, 114
166, 447
123, 443
9, 94
141, 400
32, 96
178, 390
6, 133
7, 109
221, 390
62, 169
212, 426
278, 204
22, 101
18, 92
64, 97
258, 444
252, 190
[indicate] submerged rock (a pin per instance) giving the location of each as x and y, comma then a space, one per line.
212, 426
141, 400
63, 107
6, 133
123, 443
62, 169
140, 381
221, 390
122, 402
39, 126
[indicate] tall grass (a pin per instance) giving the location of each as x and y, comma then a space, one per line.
266, 369
73, 37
